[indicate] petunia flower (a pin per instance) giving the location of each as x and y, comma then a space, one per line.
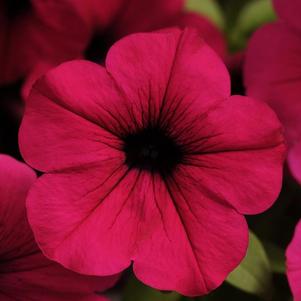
293, 263
34, 30
149, 161
26, 274
273, 73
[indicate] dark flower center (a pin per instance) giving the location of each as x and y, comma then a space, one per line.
15, 8
153, 150
98, 47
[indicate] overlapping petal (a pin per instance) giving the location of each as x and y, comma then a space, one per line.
199, 240
137, 218
238, 149
272, 75
210, 32
43, 34
289, 11
25, 271
170, 68
53, 106
15, 180
92, 201
37, 278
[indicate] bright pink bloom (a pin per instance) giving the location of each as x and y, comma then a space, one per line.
35, 30
273, 73
293, 263
149, 161
26, 274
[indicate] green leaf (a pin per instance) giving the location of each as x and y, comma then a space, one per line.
252, 16
276, 257
137, 291
254, 274
255, 14
209, 8
231, 10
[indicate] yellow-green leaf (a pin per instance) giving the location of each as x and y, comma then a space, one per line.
254, 274
276, 257
252, 16
208, 8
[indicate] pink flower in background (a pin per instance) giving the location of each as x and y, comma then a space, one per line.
289, 12
149, 161
107, 21
26, 274
273, 73
104, 22
136, 16
141, 16
293, 263
34, 30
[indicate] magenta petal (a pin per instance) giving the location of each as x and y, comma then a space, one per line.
138, 223
195, 241
25, 271
210, 32
294, 161
37, 277
169, 68
293, 263
15, 180
272, 75
146, 15
289, 11
92, 202
57, 111
38, 70
235, 159
99, 13
42, 34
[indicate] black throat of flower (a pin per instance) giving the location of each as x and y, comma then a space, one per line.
153, 150
15, 8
